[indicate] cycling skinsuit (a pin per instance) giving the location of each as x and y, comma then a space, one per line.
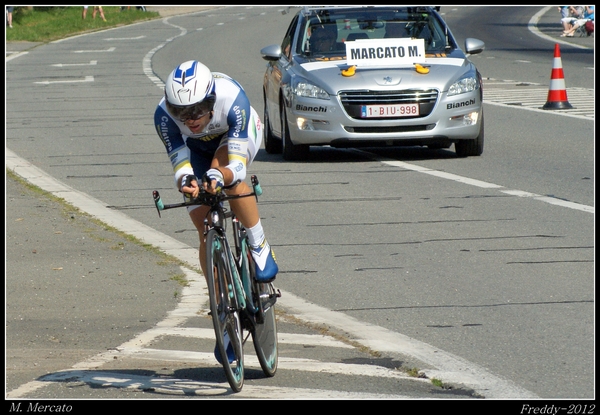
234, 123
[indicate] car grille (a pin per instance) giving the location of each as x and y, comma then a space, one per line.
353, 100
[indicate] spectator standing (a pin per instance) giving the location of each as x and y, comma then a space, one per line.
9, 12
94, 12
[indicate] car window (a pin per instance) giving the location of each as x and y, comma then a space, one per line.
366, 23
322, 38
286, 44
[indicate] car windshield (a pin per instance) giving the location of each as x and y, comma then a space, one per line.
325, 31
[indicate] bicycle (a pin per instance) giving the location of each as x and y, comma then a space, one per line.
238, 301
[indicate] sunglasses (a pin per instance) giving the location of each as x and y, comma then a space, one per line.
191, 112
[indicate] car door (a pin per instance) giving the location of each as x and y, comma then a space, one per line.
274, 77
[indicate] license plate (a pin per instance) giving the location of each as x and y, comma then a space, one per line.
395, 110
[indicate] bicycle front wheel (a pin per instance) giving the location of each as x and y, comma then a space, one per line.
264, 334
224, 310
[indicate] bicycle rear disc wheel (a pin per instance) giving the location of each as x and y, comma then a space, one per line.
264, 335
225, 316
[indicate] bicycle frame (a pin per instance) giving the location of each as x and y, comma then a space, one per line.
218, 217
246, 300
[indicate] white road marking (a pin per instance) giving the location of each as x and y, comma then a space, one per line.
511, 94
282, 338
109, 39
479, 183
67, 81
112, 49
62, 65
174, 386
284, 363
551, 200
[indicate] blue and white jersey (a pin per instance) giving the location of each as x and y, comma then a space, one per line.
234, 123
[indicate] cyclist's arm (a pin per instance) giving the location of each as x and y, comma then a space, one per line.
171, 136
238, 120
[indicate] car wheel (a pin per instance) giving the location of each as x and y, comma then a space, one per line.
290, 151
272, 143
466, 148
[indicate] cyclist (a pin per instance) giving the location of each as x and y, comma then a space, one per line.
211, 132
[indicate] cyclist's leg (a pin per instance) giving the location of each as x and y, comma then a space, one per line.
246, 210
201, 155
197, 215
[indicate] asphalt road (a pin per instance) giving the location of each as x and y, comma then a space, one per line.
58, 251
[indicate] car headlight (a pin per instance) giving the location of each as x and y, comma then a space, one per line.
463, 86
308, 90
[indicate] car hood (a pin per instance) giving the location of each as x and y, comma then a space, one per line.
443, 72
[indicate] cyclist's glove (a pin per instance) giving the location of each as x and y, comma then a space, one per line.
214, 174
187, 181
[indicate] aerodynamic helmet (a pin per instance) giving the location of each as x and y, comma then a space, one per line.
189, 91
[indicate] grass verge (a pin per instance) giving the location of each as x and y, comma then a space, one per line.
46, 24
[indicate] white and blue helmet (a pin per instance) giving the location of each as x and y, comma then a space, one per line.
189, 91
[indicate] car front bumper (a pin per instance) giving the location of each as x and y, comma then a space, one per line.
320, 122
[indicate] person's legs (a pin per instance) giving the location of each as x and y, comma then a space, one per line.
246, 210
571, 31
201, 155
84, 12
576, 26
101, 13
197, 215
567, 23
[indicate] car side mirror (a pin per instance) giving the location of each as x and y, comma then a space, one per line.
271, 52
474, 46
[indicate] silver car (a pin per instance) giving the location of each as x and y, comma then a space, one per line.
371, 76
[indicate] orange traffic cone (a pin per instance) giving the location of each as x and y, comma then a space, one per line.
557, 95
